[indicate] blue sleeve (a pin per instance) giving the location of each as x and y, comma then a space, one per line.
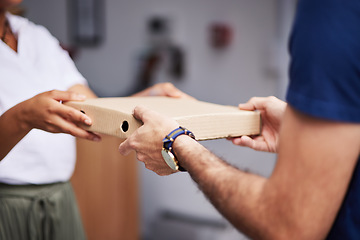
325, 60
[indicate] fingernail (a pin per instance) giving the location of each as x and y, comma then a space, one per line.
175, 96
80, 96
87, 122
154, 92
96, 139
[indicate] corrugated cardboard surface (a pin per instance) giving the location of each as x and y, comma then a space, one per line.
113, 116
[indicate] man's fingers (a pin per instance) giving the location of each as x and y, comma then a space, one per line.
255, 103
257, 144
140, 113
244, 141
125, 148
247, 106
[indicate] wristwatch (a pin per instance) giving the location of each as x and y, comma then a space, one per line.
167, 150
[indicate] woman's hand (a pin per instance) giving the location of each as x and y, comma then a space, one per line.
272, 110
163, 89
146, 141
45, 111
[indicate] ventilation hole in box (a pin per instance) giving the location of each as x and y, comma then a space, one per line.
82, 111
125, 126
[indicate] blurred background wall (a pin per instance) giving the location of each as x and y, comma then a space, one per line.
254, 64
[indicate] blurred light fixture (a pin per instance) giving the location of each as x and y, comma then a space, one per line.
86, 22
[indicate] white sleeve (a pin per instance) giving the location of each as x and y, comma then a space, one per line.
69, 74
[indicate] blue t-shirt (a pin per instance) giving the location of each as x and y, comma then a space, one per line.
325, 81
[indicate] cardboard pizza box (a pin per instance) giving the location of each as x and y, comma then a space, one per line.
113, 116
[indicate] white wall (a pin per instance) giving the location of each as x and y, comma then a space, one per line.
226, 77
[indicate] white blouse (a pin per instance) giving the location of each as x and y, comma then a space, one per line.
39, 65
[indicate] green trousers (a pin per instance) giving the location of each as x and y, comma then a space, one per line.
39, 212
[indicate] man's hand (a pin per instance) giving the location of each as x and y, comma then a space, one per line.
272, 111
45, 111
163, 89
147, 140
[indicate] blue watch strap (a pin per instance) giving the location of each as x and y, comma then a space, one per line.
170, 138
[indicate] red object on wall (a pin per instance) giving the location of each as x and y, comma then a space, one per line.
221, 35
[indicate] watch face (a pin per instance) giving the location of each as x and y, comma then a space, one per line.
169, 159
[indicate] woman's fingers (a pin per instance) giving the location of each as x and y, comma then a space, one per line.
61, 125
72, 119
171, 91
164, 89
46, 113
73, 115
65, 96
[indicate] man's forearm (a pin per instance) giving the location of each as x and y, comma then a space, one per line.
236, 194
294, 202
301, 198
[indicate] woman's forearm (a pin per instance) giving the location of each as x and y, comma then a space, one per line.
13, 129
